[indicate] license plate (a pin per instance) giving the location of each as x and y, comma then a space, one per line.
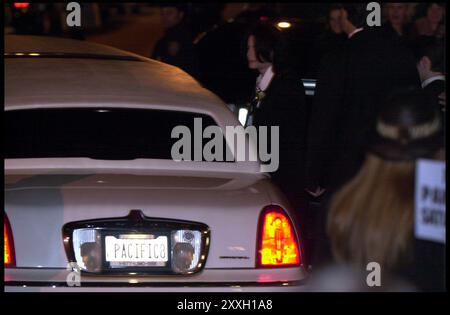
136, 250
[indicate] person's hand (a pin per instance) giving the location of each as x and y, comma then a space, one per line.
317, 192
442, 101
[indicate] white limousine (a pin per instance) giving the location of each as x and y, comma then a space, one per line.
94, 200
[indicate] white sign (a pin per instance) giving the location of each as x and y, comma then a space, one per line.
430, 201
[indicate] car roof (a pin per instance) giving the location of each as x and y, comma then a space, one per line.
56, 72
44, 44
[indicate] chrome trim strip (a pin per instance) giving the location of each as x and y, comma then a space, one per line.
157, 284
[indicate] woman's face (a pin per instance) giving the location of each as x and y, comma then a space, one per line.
435, 13
253, 62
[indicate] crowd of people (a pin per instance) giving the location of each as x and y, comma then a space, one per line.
362, 175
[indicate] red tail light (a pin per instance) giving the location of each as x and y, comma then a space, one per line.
277, 242
10, 259
20, 5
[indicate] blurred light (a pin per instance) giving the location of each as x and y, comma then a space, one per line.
277, 243
8, 248
263, 18
19, 54
9, 255
284, 24
243, 115
34, 54
19, 5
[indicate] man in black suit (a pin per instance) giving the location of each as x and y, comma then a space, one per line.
284, 106
176, 46
279, 101
352, 85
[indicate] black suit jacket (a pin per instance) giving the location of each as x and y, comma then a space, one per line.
352, 85
284, 106
433, 90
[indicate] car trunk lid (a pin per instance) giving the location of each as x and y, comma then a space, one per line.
39, 205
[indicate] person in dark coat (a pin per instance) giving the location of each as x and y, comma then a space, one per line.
279, 101
351, 84
397, 22
332, 38
430, 57
176, 46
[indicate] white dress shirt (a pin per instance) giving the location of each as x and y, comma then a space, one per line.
262, 83
432, 79
263, 80
357, 30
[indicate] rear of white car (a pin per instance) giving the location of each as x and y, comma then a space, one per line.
93, 201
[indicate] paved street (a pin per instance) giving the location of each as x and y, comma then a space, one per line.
138, 33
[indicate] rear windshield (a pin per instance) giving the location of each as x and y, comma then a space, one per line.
107, 134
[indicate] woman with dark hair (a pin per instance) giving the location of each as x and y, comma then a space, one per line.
432, 24
279, 101
371, 218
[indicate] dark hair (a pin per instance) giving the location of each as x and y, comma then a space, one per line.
270, 46
434, 50
422, 8
334, 7
356, 12
408, 126
429, 4
412, 98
